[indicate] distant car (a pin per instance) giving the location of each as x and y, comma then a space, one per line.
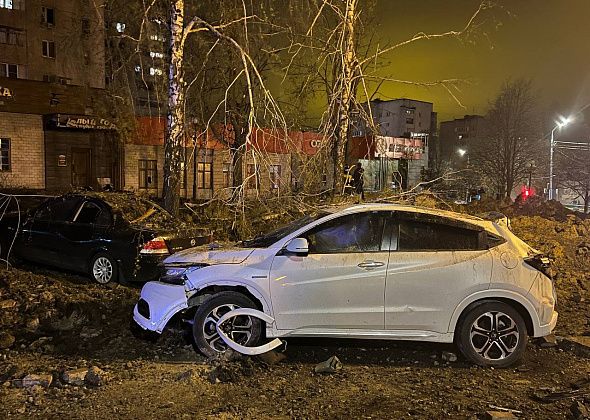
377, 271
110, 236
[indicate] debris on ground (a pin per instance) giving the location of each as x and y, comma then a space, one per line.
546, 342
32, 380
332, 365
448, 356
498, 415
579, 410
6, 340
272, 357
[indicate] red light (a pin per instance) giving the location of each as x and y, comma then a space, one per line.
155, 246
526, 192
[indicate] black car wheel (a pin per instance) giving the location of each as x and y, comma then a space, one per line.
103, 268
244, 330
492, 334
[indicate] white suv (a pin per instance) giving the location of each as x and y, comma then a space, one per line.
372, 271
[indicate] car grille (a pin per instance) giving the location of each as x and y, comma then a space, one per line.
143, 308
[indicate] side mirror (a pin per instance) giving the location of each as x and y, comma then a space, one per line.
298, 246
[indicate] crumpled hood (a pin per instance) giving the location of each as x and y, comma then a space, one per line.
202, 255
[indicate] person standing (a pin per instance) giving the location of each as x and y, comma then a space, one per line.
358, 180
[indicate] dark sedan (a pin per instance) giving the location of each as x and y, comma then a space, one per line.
110, 236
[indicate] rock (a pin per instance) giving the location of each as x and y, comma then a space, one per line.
332, 365
46, 296
272, 357
497, 415
40, 380
96, 376
547, 342
7, 304
579, 410
185, 376
32, 324
448, 356
75, 377
6, 340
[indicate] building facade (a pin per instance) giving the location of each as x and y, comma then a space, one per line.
403, 119
458, 134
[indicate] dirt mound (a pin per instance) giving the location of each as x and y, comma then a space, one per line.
538, 206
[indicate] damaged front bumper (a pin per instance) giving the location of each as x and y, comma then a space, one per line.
157, 304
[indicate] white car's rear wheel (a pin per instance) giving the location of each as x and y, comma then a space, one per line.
493, 334
243, 329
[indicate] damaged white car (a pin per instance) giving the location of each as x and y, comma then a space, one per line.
371, 271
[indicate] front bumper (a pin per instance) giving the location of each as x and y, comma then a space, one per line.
159, 302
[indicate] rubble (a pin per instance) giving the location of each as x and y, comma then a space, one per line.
332, 365
34, 380
75, 377
579, 410
6, 340
96, 376
499, 415
448, 356
546, 342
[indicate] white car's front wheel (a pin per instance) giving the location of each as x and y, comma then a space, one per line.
243, 329
492, 334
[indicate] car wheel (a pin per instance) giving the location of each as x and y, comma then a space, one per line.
103, 268
244, 330
492, 334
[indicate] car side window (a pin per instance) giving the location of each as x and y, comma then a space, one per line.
359, 232
88, 213
57, 210
428, 236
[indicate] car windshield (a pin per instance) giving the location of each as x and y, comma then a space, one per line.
263, 241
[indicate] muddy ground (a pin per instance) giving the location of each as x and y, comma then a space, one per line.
62, 322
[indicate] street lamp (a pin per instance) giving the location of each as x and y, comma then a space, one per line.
560, 125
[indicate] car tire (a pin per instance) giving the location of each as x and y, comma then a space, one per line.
492, 333
103, 268
245, 330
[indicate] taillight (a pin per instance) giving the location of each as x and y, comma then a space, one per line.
540, 263
155, 246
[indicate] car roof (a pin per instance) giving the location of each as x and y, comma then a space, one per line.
467, 218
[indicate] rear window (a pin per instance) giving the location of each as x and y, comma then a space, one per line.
424, 236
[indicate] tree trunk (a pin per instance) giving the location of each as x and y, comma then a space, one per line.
587, 198
175, 119
346, 94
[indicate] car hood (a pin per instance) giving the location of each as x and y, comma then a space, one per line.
201, 255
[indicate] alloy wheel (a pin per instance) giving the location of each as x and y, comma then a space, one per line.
494, 335
102, 270
238, 328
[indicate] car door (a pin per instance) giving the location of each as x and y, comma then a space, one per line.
41, 241
84, 233
340, 283
434, 264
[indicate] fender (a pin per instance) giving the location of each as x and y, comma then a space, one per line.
266, 307
494, 294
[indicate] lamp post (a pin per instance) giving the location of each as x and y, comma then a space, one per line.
462, 153
560, 125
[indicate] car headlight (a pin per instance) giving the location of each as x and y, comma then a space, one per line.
178, 275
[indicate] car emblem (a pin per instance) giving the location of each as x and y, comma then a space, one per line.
193, 242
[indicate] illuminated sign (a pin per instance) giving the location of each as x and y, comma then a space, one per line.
83, 122
5, 92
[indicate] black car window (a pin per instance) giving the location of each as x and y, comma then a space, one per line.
359, 232
427, 236
88, 213
59, 209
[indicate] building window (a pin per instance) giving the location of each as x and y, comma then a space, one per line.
157, 37
9, 70
47, 16
226, 175
120, 27
275, 177
324, 181
409, 121
205, 169
148, 174
12, 4
154, 54
85, 26
252, 176
48, 49
4, 155
10, 36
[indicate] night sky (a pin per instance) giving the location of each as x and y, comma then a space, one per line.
547, 41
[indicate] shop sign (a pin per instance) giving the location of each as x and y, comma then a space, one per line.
399, 148
5, 93
61, 160
84, 122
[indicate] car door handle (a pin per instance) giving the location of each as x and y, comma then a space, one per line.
369, 264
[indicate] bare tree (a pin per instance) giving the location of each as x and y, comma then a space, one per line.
511, 137
574, 170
